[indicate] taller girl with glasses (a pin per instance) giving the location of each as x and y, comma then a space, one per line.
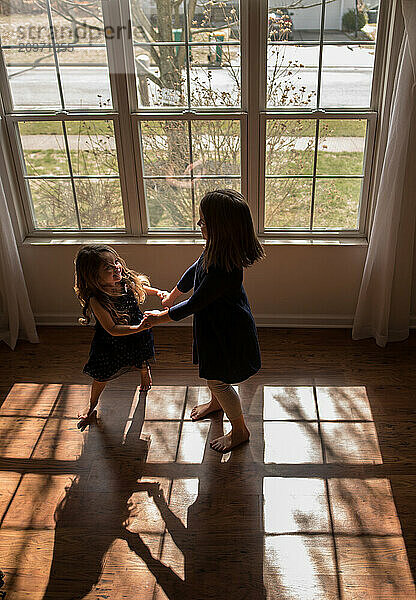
225, 337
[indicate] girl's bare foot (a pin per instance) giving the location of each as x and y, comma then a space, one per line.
86, 418
238, 435
202, 410
145, 379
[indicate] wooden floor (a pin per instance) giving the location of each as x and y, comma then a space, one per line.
319, 506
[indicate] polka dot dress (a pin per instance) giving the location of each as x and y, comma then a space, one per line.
111, 356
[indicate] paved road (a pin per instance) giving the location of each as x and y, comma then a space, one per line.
346, 79
84, 87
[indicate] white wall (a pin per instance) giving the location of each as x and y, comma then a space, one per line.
295, 285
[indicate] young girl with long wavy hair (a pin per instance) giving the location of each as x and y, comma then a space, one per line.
109, 290
225, 336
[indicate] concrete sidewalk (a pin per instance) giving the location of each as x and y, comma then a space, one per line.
84, 142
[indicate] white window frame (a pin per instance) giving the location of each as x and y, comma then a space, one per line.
253, 116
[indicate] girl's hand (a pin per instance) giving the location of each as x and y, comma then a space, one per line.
156, 317
151, 318
168, 301
162, 294
143, 325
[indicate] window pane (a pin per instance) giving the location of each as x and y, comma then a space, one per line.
347, 73
297, 22
165, 148
214, 64
223, 16
27, 49
91, 144
53, 204
80, 63
202, 186
169, 204
25, 76
292, 75
342, 17
216, 147
347, 65
290, 147
92, 147
167, 19
341, 147
99, 203
220, 86
43, 148
288, 203
337, 203
85, 79
161, 75
92, 151
177, 157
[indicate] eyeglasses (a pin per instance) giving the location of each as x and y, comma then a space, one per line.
113, 267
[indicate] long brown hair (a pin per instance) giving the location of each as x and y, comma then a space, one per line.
87, 284
232, 242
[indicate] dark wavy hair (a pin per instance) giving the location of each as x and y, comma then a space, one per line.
232, 242
87, 284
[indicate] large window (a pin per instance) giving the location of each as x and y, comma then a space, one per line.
121, 114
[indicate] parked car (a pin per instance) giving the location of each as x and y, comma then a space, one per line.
280, 25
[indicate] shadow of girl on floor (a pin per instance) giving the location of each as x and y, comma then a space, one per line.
91, 516
222, 544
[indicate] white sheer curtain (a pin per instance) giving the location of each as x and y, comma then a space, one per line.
17, 319
383, 308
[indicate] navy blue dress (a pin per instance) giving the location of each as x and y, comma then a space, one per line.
225, 343
111, 356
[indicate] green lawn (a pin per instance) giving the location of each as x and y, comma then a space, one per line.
307, 127
96, 127
94, 162
293, 127
287, 199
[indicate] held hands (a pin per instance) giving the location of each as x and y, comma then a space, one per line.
162, 294
156, 317
165, 298
168, 301
152, 318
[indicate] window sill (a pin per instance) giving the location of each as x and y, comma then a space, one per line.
77, 241
182, 241
346, 241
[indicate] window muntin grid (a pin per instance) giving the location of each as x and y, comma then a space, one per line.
318, 67
252, 167
181, 161
313, 66
177, 65
314, 172
55, 58
70, 172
